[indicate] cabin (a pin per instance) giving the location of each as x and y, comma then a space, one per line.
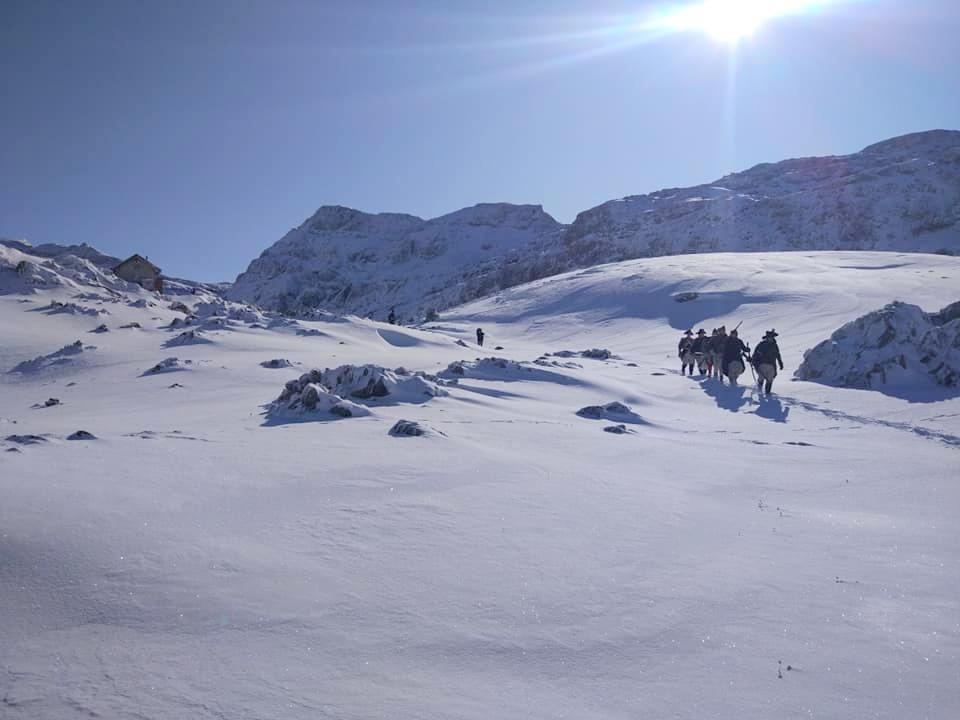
141, 271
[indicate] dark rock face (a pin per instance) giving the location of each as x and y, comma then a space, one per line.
81, 435
409, 428
616, 429
26, 439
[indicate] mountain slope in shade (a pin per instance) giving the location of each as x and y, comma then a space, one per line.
902, 194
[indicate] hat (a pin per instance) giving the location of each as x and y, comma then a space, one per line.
688, 332
701, 331
770, 334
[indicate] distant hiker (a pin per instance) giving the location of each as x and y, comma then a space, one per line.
699, 348
392, 317
766, 357
715, 348
734, 352
480, 337
685, 352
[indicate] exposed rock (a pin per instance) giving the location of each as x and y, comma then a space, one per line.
102, 328
898, 346
188, 337
305, 399
617, 429
128, 326
366, 382
60, 308
411, 428
497, 368
686, 296
276, 363
614, 411
50, 402
311, 332
170, 364
81, 435
63, 356
26, 439
591, 354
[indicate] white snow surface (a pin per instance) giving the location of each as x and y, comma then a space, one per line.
197, 559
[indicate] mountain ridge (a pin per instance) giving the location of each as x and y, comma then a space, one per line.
900, 194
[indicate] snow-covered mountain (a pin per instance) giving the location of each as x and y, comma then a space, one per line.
902, 194
347, 260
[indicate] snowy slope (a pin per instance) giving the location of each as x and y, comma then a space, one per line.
902, 194
348, 260
202, 559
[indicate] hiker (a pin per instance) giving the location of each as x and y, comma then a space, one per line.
699, 348
766, 357
734, 352
716, 344
708, 352
392, 317
480, 337
685, 352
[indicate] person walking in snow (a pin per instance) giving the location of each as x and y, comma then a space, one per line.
715, 348
699, 349
392, 317
766, 357
685, 352
734, 352
480, 336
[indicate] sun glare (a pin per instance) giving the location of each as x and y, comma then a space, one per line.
730, 21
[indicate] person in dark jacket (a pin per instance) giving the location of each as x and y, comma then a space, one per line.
392, 317
717, 343
685, 352
699, 348
766, 358
734, 352
480, 337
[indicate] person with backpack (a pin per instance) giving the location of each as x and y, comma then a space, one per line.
734, 352
699, 350
685, 352
480, 336
716, 345
766, 357
392, 317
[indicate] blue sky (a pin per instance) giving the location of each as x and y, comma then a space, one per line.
198, 133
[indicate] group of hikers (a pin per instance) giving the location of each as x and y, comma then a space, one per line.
721, 355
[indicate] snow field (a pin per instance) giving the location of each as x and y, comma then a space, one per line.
197, 561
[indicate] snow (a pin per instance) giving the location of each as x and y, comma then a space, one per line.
197, 560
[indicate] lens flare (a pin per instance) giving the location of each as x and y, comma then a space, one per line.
730, 21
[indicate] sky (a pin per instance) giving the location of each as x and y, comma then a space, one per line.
200, 133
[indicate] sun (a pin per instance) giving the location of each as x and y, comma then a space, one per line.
730, 21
